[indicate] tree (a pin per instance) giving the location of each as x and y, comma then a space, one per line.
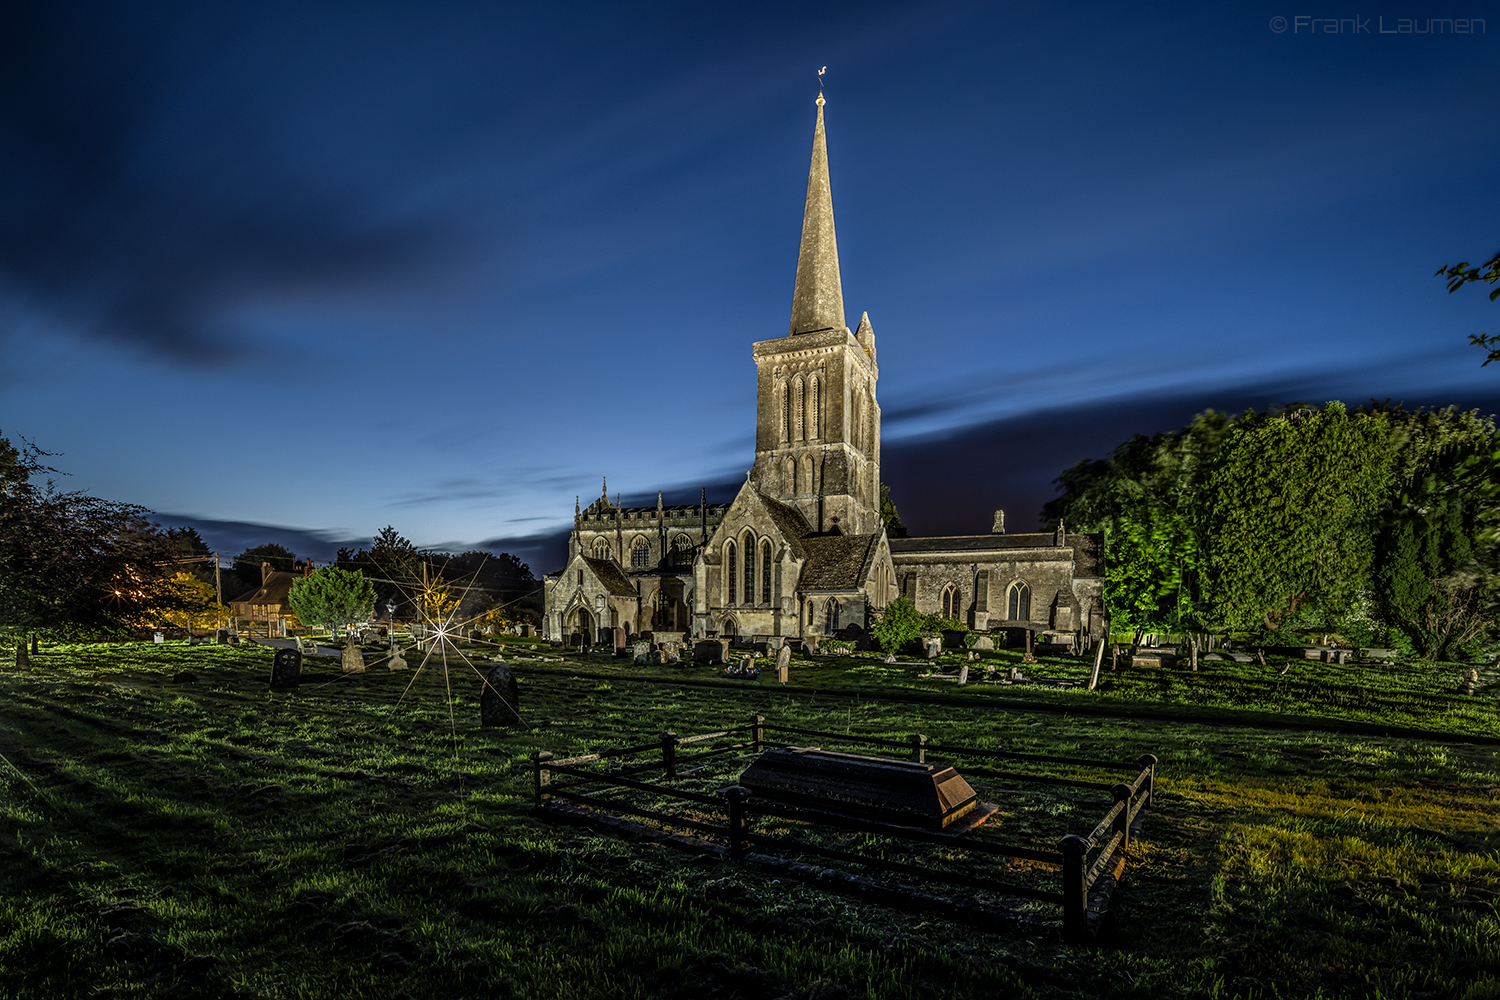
332, 598
1461, 274
1147, 499
70, 563
898, 624
894, 527
1291, 515
183, 601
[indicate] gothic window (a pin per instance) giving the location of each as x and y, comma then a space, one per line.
730, 573
854, 422
682, 551
640, 554
789, 475
1018, 603
950, 601
601, 549
831, 617
799, 430
786, 411
815, 419
765, 572
749, 568
807, 475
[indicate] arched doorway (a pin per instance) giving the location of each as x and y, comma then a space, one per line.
580, 623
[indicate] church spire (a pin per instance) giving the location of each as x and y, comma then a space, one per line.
818, 299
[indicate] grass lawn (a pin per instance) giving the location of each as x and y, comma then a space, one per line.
200, 836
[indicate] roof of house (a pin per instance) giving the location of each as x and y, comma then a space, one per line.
837, 562
611, 576
274, 591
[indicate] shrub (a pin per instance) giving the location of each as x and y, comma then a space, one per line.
898, 624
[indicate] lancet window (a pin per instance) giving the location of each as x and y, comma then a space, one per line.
1018, 603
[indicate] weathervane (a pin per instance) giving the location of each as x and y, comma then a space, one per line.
820, 83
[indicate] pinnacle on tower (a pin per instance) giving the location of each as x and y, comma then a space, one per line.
818, 298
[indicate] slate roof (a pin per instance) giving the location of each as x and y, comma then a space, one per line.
274, 591
837, 562
610, 575
1086, 548
792, 525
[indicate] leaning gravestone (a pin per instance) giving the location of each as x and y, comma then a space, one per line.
963, 674
500, 700
354, 660
783, 662
286, 670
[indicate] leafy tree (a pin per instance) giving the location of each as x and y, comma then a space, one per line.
1147, 499
70, 564
332, 598
1461, 274
897, 625
889, 516
183, 601
1291, 515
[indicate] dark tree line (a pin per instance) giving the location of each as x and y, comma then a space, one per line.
1380, 525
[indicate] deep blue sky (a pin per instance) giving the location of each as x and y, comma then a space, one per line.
328, 267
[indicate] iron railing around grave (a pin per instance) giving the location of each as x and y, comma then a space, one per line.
1081, 862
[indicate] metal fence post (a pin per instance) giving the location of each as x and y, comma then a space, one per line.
738, 821
1148, 763
1075, 894
669, 752
541, 776
1121, 793
918, 747
757, 732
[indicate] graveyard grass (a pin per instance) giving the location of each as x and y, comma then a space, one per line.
204, 837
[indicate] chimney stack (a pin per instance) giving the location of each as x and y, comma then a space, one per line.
265, 572
999, 528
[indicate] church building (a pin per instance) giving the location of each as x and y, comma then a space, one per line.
801, 550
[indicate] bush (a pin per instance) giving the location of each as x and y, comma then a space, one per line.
898, 624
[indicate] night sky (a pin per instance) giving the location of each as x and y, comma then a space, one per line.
295, 272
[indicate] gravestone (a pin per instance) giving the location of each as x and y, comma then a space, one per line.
396, 662
500, 699
963, 674
932, 647
221, 637
747, 664
671, 652
984, 642
783, 663
286, 670
354, 661
709, 650
526, 632
158, 638
642, 653
656, 658
23, 660
619, 637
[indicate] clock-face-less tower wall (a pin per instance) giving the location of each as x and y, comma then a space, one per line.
817, 435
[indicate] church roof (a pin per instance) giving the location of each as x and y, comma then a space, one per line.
818, 298
790, 522
837, 562
611, 576
1086, 548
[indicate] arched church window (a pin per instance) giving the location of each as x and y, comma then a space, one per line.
682, 551
815, 418
1018, 603
789, 475
807, 485
730, 571
601, 549
765, 572
950, 601
799, 410
749, 568
854, 422
786, 411
640, 554
831, 617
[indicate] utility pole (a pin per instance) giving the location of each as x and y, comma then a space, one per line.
218, 583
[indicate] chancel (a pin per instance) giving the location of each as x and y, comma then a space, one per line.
802, 551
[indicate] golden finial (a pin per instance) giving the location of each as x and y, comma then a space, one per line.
821, 102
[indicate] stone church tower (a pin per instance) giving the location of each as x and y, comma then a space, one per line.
817, 428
